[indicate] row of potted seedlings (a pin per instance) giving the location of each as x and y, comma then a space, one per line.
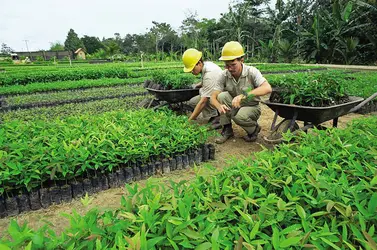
64, 191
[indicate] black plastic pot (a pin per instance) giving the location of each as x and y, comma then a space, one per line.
66, 193
113, 180
136, 172
151, 169
144, 171
211, 151
87, 186
200, 152
197, 159
205, 150
77, 189
35, 202
103, 181
3, 210
178, 159
158, 166
12, 206
23, 203
45, 197
165, 166
191, 159
129, 174
185, 161
97, 187
121, 177
55, 195
173, 164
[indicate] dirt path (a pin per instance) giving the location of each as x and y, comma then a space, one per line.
235, 148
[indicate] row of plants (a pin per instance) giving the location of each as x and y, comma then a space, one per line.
63, 149
317, 192
40, 87
136, 65
72, 95
73, 109
23, 78
48, 74
124, 173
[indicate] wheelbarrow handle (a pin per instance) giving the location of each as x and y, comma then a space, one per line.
356, 108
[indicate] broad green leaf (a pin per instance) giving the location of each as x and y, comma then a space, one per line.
204, 246
290, 242
300, 212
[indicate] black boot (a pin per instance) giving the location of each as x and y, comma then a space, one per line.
253, 137
226, 134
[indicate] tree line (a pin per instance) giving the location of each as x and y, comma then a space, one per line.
315, 31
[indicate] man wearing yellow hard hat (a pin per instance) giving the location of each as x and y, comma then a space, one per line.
210, 73
237, 94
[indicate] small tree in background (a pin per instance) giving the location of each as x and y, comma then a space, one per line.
73, 42
56, 46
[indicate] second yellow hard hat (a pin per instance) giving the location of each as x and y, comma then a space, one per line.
231, 50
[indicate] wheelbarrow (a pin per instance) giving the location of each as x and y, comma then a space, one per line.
311, 116
174, 99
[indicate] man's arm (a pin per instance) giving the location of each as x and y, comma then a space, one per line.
220, 107
264, 89
199, 108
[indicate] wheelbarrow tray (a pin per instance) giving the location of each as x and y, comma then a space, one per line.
174, 95
314, 115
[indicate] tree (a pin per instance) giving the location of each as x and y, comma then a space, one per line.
56, 46
73, 42
92, 44
5, 49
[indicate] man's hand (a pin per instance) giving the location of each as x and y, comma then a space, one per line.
223, 109
236, 102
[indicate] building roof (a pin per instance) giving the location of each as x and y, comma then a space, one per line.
78, 50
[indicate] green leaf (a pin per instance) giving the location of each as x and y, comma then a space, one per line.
372, 204
191, 234
152, 242
204, 246
300, 211
290, 242
254, 231
4, 247
330, 243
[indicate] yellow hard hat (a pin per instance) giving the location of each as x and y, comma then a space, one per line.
190, 58
231, 50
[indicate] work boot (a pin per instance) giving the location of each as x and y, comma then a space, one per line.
214, 123
253, 137
226, 134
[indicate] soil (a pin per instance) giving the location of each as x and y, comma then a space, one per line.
235, 148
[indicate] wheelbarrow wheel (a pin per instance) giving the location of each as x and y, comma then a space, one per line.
148, 103
276, 135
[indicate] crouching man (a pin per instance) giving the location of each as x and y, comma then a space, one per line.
237, 94
210, 74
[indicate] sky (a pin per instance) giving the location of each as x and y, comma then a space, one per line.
41, 22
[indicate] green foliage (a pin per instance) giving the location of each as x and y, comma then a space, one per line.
317, 90
173, 81
73, 109
73, 42
63, 149
57, 46
317, 193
